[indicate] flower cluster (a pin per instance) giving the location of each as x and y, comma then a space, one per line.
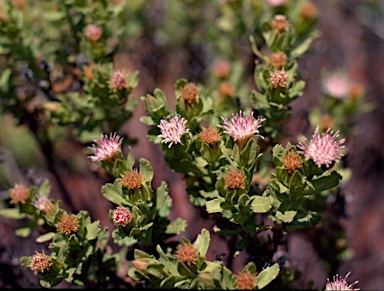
19, 194
122, 216
173, 130
323, 149
40, 262
106, 149
242, 127
93, 32
340, 283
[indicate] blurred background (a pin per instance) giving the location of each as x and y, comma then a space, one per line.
351, 39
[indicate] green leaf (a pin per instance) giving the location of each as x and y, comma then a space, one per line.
23, 231
324, 182
146, 170
255, 49
12, 213
45, 237
176, 227
147, 120
287, 216
278, 155
260, 100
266, 276
110, 191
92, 230
45, 188
202, 242
261, 204
163, 201
212, 194
213, 206
301, 49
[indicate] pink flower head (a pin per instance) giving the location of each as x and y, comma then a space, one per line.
173, 130
340, 283
107, 149
93, 32
337, 85
323, 149
275, 3
122, 216
118, 80
242, 128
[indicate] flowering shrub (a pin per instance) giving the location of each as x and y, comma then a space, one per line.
226, 138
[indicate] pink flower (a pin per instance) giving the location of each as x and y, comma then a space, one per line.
107, 149
93, 32
173, 130
337, 85
242, 128
322, 149
275, 3
340, 283
118, 80
122, 216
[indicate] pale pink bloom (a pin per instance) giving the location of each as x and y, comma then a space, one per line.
173, 130
242, 127
322, 149
44, 205
122, 216
337, 85
118, 80
107, 149
275, 3
93, 32
340, 283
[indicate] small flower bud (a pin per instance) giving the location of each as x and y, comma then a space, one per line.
222, 68
88, 74
279, 23
234, 180
44, 205
278, 79
19, 4
52, 107
210, 135
40, 262
278, 60
356, 91
132, 179
326, 122
308, 10
93, 32
122, 216
3, 17
226, 89
245, 281
140, 264
19, 194
68, 224
292, 161
190, 93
